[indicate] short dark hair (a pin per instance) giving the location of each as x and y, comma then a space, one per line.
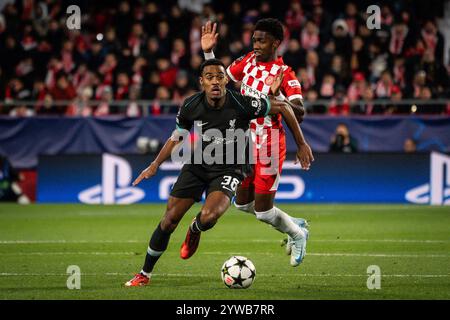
271, 26
211, 62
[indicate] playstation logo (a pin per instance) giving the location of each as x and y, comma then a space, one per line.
437, 192
115, 187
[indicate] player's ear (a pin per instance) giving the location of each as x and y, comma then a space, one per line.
200, 79
276, 44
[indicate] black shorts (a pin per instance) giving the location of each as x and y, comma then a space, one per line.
195, 179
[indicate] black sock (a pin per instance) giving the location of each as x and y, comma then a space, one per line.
197, 226
157, 245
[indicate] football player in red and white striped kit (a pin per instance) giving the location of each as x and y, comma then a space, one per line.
256, 71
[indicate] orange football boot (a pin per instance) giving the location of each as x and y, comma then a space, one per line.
138, 280
190, 244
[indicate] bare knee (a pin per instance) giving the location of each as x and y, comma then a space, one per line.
209, 216
170, 221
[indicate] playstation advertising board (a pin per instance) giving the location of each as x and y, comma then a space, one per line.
422, 178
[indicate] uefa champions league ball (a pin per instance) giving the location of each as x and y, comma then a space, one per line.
238, 272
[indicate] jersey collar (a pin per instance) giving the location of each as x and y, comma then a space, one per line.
216, 109
278, 61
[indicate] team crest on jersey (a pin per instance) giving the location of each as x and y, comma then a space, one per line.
232, 123
269, 80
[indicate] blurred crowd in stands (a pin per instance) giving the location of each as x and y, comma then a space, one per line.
142, 50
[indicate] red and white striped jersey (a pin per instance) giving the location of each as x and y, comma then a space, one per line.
256, 79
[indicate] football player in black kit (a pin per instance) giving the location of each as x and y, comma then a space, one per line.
216, 111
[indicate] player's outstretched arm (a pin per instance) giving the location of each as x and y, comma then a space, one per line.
209, 37
298, 108
162, 156
304, 153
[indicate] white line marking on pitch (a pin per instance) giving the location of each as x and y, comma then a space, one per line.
381, 255
52, 253
319, 254
65, 241
191, 275
383, 240
328, 254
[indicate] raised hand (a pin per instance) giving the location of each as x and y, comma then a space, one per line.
276, 84
209, 36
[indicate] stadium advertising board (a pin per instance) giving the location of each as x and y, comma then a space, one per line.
333, 178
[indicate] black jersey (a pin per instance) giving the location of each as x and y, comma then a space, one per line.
220, 130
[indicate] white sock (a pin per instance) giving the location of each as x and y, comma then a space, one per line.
147, 274
281, 221
248, 207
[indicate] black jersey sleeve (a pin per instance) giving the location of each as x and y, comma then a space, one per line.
251, 107
184, 121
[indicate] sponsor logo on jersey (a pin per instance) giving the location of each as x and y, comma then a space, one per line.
200, 123
294, 83
256, 104
250, 92
218, 140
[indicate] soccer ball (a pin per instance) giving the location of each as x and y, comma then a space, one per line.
238, 272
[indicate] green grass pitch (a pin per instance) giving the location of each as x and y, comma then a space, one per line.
410, 244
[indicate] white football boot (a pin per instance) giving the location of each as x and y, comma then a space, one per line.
302, 223
298, 248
